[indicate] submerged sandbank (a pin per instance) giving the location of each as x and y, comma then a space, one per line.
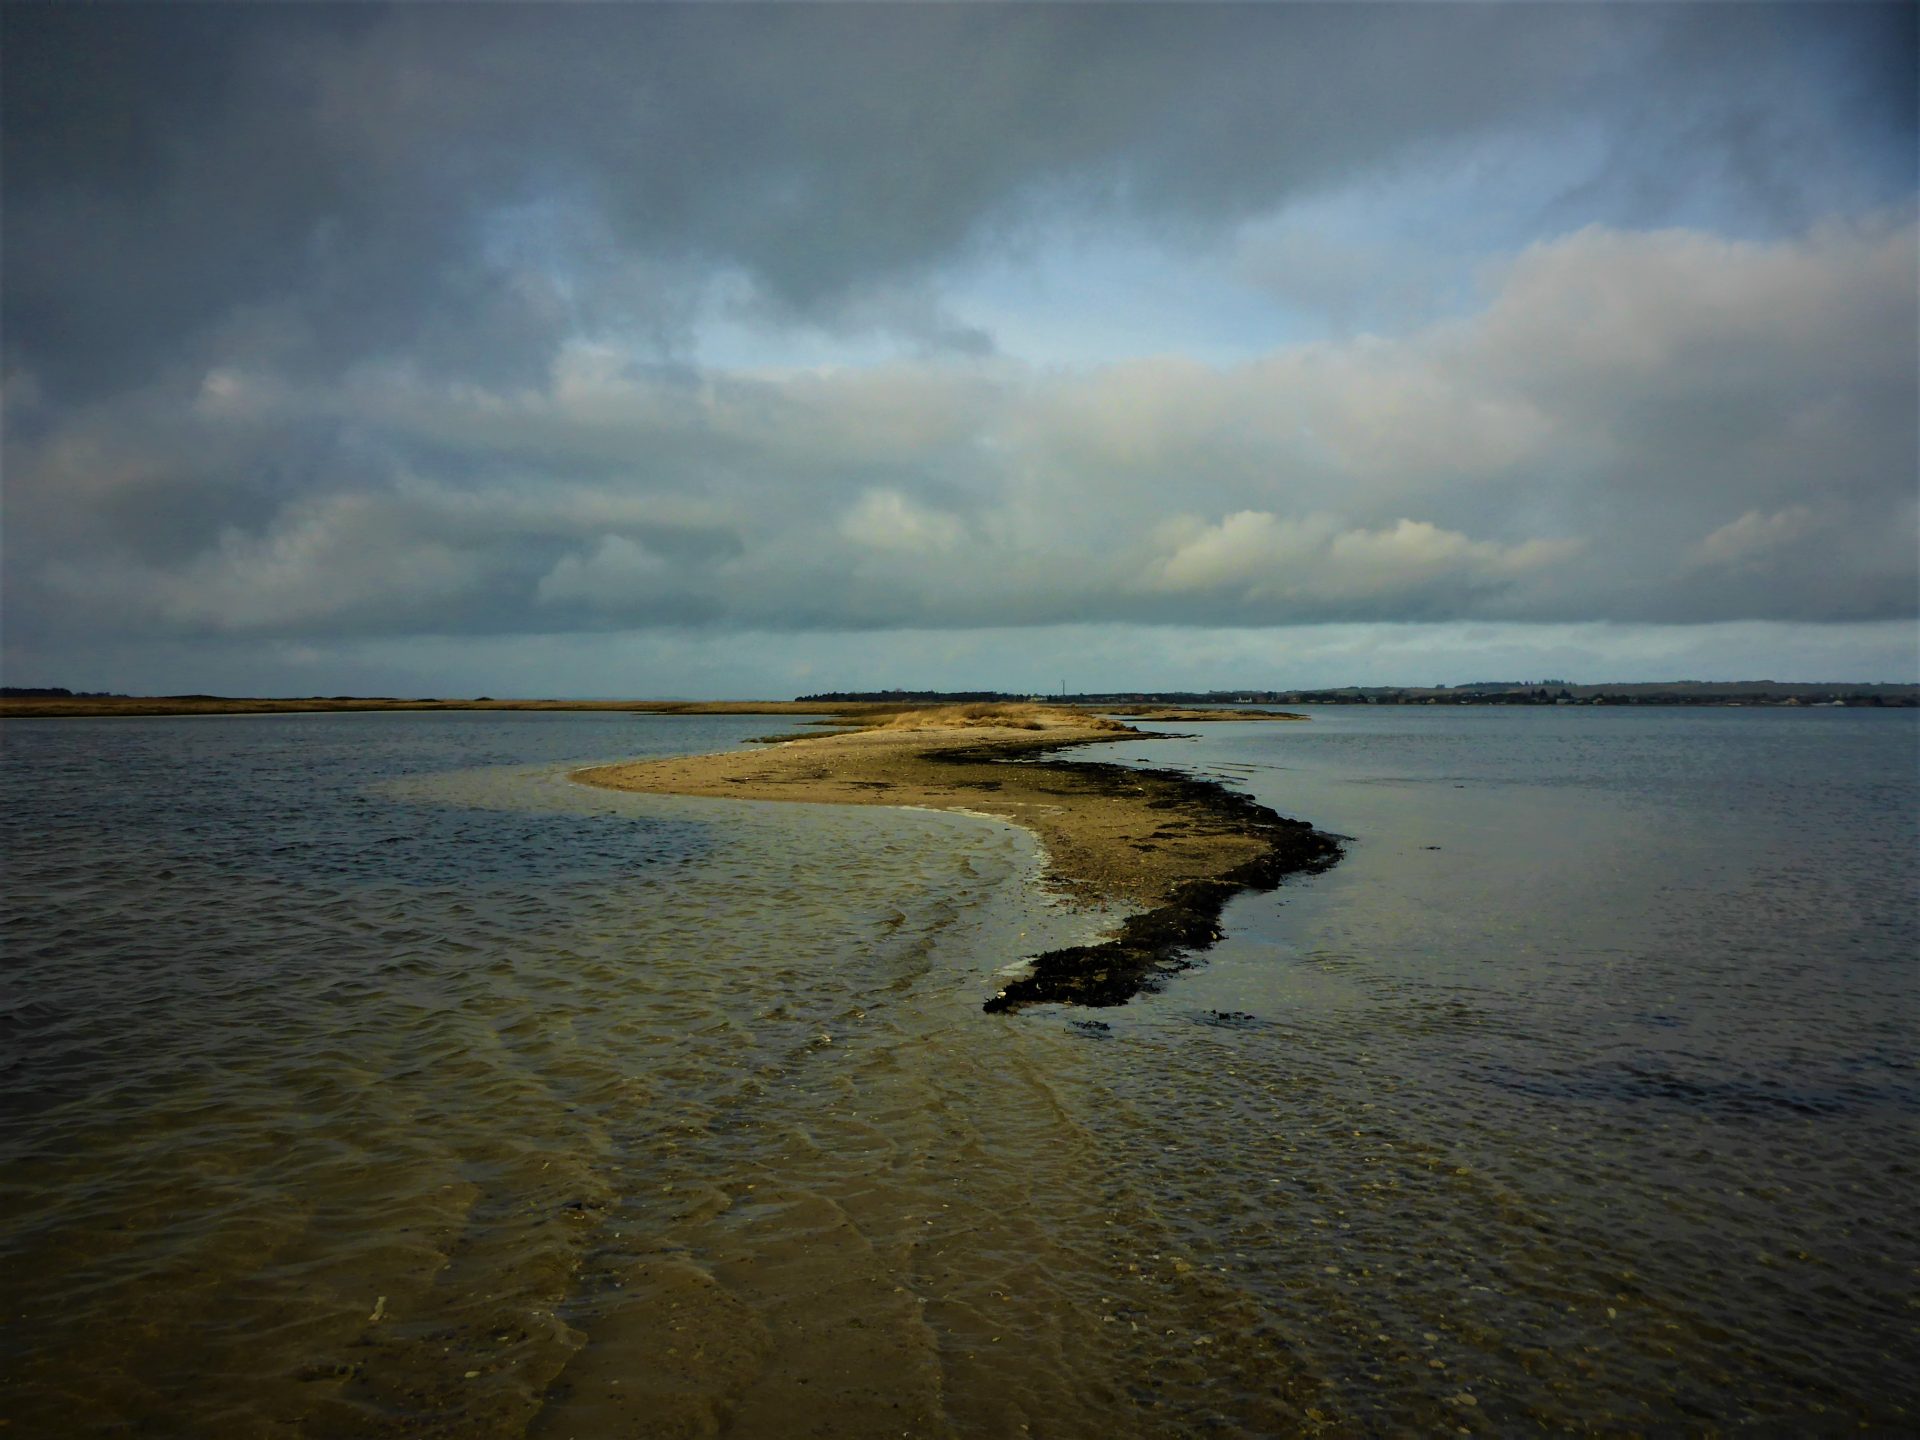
1175, 846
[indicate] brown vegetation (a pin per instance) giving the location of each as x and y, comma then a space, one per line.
1008, 716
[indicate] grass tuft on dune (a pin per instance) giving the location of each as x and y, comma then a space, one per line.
1013, 716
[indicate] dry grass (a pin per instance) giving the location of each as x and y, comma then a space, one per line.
1013, 716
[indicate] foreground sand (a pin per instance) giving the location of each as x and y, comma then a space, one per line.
1172, 845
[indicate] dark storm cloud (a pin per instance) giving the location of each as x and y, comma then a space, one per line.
316, 182
1769, 109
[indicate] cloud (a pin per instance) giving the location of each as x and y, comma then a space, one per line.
1655, 427
1315, 562
472, 187
1753, 538
612, 575
326, 561
387, 322
888, 520
621, 577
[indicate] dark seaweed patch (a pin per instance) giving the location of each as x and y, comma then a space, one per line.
1162, 941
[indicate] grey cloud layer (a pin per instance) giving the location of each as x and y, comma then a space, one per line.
322, 320
320, 185
1654, 427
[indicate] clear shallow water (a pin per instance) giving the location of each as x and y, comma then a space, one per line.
640, 1116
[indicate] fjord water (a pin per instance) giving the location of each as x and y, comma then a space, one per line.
364, 1076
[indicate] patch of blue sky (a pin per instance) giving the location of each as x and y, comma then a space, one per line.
1084, 297
1388, 253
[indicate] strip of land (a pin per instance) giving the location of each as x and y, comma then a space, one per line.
854, 712
1174, 846
106, 705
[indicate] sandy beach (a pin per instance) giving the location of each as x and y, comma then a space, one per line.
1173, 846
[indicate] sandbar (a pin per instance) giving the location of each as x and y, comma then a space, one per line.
1172, 845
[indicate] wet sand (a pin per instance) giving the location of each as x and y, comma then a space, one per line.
1175, 847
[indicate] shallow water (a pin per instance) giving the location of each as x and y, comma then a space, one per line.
362, 1075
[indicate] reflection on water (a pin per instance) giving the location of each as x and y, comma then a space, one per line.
364, 1076
1605, 1026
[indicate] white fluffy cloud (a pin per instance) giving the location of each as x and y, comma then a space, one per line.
888, 520
1266, 558
1754, 538
348, 559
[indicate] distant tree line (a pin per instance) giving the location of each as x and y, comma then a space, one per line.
1480, 692
55, 692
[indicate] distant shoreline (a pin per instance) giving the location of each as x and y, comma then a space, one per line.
24, 702
84, 706
1176, 846
95, 705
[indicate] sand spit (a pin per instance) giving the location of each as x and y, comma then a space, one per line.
1175, 846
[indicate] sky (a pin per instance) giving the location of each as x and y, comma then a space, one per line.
747, 351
